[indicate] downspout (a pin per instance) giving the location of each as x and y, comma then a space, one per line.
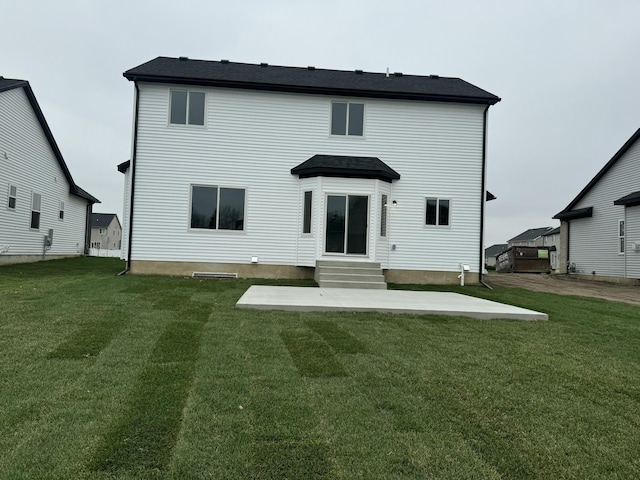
483, 195
132, 166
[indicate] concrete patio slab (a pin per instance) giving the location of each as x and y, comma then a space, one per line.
310, 299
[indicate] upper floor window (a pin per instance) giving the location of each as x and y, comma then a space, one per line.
217, 208
102, 231
347, 118
36, 201
187, 107
437, 211
621, 236
13, 194
61, 211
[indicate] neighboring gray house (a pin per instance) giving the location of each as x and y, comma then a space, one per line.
492, 252
531, 238
600, 228
106, 231
264, 171
45, 214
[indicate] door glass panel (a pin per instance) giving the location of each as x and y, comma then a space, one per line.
357, 226
336, 211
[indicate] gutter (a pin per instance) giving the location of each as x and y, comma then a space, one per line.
483, 196
133, 180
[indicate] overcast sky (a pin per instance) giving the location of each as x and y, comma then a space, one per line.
567, 72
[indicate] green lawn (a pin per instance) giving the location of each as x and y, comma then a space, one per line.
145, 377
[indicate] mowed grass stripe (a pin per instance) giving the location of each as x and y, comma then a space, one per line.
89, 341
146, 434
339, 339
311, 355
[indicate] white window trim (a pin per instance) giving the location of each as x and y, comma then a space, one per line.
39, 210
384, 216
621, 238
216, 230
364, 120
187, 124
424, 212
310, 232
61, 211
14, 196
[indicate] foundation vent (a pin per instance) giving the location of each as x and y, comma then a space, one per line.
213, 275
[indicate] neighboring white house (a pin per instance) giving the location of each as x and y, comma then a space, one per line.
45, 214
106, 235
600, 228
264, 170
551, 239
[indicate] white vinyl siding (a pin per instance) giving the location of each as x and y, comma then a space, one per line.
594, 244
632, 234
32, 167
436, 147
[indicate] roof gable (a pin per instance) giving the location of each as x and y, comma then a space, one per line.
309, 80
9, 84
568, 213
102, 220
531, 234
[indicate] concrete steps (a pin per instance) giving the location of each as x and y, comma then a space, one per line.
339, 274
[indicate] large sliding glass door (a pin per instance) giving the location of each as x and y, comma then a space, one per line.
346, 224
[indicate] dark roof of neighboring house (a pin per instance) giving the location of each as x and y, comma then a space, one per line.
631, 200
344, 166
308, 80
494, 250
9, 84
102, 220
552, 232
568, 213
530, 234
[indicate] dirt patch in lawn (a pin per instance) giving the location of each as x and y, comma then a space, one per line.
566, 285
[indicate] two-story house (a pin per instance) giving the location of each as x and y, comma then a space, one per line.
45, 214
262, 171
106, 231
600, 228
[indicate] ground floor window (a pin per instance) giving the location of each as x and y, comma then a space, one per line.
36, 201
621, 236
306, 222
383, 216
13, 193
437, 211
217, 208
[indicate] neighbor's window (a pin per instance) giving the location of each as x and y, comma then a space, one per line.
306, 222
217, 208
61, 211
383, 217
347, 118
621, 236
187, 107
36, 201
102, 231
13, 193
437, 211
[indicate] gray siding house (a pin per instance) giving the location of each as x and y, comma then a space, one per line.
266, 171
600, 228
45, 214
106, 231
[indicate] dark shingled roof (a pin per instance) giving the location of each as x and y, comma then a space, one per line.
101, 220
568, 213
531, 234
496, 249
343, 166
8, 84
631, 200
308, 80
